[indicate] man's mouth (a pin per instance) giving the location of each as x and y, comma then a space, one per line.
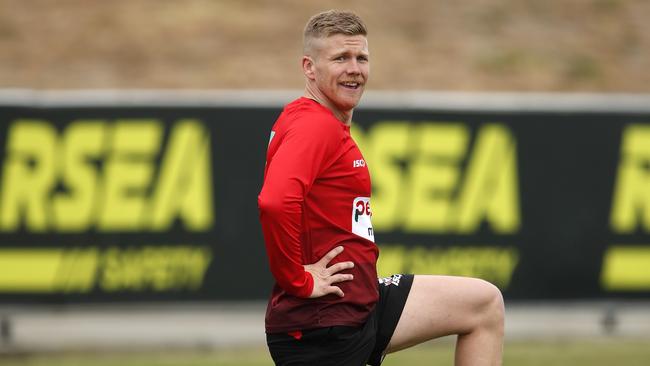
350, 85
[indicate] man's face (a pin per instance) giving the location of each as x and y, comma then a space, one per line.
340, 69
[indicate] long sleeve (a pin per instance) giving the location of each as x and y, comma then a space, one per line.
294, 161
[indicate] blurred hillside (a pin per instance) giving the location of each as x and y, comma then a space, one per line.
476, 45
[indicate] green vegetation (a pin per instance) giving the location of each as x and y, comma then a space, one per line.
560, 353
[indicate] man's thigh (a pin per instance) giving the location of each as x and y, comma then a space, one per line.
438, 306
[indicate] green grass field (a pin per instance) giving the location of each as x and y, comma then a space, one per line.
569, 353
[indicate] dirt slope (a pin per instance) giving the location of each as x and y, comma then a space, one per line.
527, 45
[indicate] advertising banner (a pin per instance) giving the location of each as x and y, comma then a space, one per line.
148, 201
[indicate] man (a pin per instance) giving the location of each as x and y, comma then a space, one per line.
327, 307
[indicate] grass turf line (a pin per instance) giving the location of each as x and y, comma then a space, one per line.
560, 353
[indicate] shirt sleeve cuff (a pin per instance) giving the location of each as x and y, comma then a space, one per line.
306, 290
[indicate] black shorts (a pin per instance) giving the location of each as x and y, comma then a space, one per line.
347, 346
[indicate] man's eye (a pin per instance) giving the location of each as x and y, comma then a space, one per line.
340, 58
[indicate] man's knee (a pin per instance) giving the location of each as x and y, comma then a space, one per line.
485, 303
493, 307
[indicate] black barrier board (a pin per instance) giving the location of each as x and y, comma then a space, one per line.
145, 203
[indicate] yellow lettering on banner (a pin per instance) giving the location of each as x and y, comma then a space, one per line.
128, 173
424, 180
631, 201
28, 175
184, 188
384, 146
83, 144
433, 175
494, 264
154, 268
80, 270
626, 268
99, 174
116, 274
490, 189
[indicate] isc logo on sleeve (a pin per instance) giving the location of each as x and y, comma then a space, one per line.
361, 214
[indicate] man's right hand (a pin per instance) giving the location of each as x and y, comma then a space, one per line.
325, 277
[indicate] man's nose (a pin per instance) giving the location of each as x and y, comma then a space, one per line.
353, 67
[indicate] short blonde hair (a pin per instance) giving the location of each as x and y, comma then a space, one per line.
329, 23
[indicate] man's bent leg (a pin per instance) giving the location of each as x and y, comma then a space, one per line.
442, 305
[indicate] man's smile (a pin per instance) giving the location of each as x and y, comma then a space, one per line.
350, 85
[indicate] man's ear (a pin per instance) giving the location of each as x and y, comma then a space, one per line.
308, 67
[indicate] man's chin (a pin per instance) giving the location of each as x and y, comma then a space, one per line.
349, 102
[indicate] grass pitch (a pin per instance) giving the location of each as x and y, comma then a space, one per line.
560, 353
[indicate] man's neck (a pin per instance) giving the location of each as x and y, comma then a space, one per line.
343, 116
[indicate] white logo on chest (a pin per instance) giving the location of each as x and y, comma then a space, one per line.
358, 163
361, 214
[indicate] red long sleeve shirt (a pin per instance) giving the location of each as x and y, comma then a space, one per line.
316, 196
